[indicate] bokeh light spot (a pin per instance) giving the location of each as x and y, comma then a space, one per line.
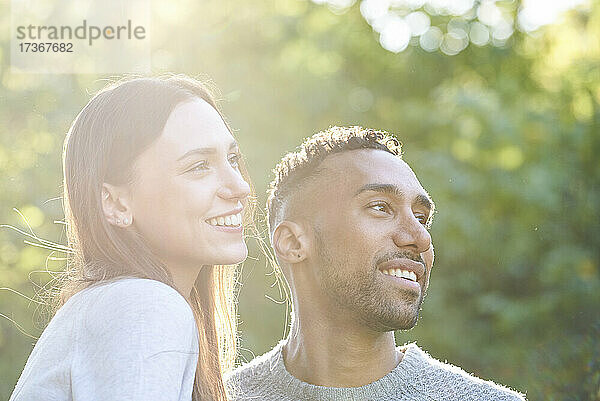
432, 39
395, 36
582, 107
479, 34
489, 13
463, 149
33, 215
372, 10
537, 13
454, 42
510, 157
418, 22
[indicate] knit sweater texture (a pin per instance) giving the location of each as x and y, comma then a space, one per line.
417, 377
128, 340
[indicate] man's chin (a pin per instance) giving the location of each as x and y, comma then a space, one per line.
407, 325
402, 321
407, 319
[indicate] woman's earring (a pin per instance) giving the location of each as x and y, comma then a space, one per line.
126, 221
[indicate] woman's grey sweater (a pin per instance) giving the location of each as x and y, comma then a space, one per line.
417, 377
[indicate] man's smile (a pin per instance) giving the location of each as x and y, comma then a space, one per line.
412, 269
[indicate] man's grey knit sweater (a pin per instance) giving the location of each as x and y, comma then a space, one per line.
417, 377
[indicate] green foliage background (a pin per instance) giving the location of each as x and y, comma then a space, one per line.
505, 139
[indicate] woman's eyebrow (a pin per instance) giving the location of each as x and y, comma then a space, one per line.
205, 151
202, 151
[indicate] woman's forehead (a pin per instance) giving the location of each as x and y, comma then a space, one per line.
194, 124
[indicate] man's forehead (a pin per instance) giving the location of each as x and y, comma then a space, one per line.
351, 170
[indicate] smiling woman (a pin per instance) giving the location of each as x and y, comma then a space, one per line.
154, 194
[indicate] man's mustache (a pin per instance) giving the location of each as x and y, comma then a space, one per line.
400, 255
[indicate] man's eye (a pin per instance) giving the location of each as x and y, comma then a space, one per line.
423, 219
199, 167
381, 207
234, 159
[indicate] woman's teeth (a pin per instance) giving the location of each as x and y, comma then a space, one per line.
401, 273
231, 220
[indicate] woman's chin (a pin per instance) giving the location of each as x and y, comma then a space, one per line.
232, 255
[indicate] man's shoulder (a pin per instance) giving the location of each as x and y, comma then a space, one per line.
253, 376
452, 382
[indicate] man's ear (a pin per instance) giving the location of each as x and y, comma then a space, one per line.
116, 205
290, 242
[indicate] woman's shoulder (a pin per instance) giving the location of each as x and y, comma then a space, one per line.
131, 289
134, 335
135, 300
133, 313
131, 284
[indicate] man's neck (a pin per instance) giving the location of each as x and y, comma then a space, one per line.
332, 356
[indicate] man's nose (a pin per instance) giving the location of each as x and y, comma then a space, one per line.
412, 234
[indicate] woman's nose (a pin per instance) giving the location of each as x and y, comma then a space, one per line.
234, 186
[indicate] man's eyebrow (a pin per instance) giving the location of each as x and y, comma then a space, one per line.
205, 151
384, 188
392, 189
425, 201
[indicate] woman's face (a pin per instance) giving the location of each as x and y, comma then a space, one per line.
188, 192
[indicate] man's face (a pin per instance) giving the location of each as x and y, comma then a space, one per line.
369, 214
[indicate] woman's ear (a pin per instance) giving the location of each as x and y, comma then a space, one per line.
290, 242
116, 205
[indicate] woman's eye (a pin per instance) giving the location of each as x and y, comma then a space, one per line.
234, 159
199, 167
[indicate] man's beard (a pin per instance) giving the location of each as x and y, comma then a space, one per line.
365, 294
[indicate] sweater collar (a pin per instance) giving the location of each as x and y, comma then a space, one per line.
400, 377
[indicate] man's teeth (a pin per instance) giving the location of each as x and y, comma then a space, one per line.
401, 273
231, 220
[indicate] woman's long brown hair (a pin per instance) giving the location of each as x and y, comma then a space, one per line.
118, 124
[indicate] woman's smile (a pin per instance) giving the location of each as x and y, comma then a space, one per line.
230, 222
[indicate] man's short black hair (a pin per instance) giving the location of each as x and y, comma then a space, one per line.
296, 167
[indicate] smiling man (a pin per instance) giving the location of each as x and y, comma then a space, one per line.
349, 223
